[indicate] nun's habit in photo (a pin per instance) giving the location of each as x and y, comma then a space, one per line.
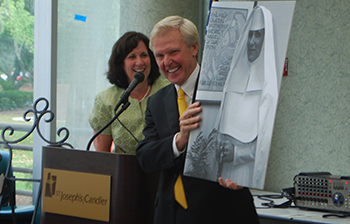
249, 104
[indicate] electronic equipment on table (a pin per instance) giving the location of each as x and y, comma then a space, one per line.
322, 191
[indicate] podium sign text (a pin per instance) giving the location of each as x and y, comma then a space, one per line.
78, 194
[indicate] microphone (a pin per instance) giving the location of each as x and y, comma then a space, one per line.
138, 78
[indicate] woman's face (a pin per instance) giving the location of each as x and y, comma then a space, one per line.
137, 60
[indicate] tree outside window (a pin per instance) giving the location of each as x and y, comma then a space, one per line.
16, 53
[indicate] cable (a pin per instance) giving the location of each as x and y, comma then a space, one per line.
271, 203
336, 215
128, 131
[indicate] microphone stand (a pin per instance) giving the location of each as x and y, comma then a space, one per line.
124, 107
124, 99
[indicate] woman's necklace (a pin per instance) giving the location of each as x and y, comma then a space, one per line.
149, 88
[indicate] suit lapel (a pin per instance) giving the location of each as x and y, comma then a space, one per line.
171, 109
195, 87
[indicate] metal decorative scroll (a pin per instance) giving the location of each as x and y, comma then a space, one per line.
38, 117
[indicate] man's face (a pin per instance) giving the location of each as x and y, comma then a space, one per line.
174, 58
255, 42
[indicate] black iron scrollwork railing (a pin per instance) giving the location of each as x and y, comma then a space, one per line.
37, 116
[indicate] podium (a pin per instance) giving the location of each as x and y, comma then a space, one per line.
132, 191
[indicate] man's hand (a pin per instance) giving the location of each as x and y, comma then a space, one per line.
229, 184
188, 122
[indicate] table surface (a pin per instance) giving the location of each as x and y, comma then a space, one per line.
291, 214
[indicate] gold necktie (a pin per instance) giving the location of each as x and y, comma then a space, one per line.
178, 187
181, 101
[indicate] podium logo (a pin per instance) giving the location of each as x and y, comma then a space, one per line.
50, 185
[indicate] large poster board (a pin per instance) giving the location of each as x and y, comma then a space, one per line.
241, 70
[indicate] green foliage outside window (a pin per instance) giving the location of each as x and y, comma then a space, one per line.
13, 99
16, 43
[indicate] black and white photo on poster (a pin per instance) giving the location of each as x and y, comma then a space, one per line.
223, 31
235, 133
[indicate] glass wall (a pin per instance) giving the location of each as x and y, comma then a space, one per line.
16, 86
86, 32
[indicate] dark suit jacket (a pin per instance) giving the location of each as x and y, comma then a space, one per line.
208, 202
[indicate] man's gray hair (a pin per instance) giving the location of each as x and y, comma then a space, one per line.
187, 29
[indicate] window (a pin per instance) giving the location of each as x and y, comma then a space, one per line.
86, 34
16, 84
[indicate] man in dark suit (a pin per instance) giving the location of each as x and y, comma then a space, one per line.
175, 43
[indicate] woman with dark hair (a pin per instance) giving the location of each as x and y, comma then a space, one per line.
130, 54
